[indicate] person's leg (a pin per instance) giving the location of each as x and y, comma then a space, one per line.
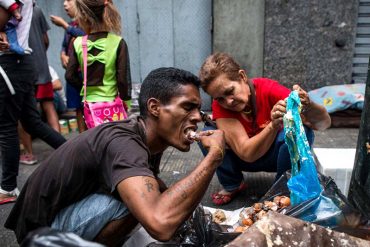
115, 232
229, 174
95, 216
27, 158
283, 158
26, 139
74, 101
10, 108
51, 114
31, 119
80, 120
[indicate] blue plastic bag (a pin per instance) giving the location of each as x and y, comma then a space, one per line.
304, 184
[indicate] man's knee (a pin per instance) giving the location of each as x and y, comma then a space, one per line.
89, 216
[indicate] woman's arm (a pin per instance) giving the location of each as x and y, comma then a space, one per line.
246, 148
123, 77
72, 72
251, 149
313, 115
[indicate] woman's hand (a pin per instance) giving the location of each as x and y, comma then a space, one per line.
277, 114
304, 97
313, 115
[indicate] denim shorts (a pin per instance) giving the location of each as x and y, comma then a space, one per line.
88, 217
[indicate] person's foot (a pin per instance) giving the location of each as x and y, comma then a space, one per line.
27, 159
8, 196
223, 197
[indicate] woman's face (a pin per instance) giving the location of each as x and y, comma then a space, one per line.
231, 95
69, 7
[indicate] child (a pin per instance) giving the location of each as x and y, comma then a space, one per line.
14, 9
72, 31
107, 70
60, 100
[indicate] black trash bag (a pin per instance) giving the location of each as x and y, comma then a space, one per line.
338, 215
46, 237
199, 230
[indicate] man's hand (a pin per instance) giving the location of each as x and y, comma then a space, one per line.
59, 21
4, 44
213, 140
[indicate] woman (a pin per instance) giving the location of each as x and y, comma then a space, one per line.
250, 112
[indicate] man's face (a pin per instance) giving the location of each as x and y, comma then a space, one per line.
179, 116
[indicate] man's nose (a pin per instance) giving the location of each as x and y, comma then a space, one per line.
196, 116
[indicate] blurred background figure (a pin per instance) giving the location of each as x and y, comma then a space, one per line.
44, 93
72, 31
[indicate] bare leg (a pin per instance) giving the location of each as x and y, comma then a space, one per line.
115, 232
25, 139
80, 120
51, 114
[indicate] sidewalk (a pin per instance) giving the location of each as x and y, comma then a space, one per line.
176, 165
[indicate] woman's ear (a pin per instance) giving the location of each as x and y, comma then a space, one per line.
243, 75
154, 106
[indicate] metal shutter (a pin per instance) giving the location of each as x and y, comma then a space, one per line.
362, 45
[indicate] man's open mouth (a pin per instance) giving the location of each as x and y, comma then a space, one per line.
191, 134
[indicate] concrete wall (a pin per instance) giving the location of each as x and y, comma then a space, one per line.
238, 29
309, 42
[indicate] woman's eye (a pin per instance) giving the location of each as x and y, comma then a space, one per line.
229, 91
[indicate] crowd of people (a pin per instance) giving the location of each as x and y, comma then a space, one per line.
103, 182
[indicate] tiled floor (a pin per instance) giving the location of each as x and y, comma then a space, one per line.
176, 165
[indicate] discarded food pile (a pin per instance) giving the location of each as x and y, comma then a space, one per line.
250, 215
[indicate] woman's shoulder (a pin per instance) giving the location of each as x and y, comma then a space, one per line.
264, 80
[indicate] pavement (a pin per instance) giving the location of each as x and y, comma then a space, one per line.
175, 165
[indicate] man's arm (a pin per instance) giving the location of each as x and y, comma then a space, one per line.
162, 213
46, 40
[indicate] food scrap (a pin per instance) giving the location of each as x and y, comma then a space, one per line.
218, 216
257, 211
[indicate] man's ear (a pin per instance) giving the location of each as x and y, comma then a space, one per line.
154, 106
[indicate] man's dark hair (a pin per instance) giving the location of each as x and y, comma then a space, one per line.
163, 84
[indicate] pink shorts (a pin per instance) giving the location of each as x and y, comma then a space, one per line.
44, 92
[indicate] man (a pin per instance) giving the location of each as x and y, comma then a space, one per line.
17, 102
99, 184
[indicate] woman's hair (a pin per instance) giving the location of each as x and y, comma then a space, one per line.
215, 65
98, 15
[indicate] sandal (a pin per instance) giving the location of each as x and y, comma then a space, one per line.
8, 196
8, 200
221, 199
